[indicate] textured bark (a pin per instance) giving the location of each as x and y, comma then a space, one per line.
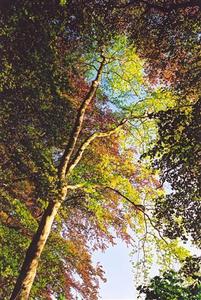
29, 267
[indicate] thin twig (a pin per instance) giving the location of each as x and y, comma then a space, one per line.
140, 208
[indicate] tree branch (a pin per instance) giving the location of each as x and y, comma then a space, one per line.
78, 123
88, 141
75, 186
140, 208
137, 206
73, 199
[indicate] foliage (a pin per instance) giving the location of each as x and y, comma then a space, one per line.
39, 99
176, 285
175, 26
170, 41
177, 155
50, 54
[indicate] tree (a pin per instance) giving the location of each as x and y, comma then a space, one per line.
176, 285
39, 168
169, 41
173, 54
177, 155
44, 85
29, 129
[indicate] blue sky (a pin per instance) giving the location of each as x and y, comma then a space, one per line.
118, 271
116, 262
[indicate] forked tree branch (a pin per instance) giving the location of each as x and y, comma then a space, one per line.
78, 123
89, 140
95, 135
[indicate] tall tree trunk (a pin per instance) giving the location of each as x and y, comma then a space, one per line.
28, 272
29, 267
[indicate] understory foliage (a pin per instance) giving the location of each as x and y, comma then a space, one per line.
51, 53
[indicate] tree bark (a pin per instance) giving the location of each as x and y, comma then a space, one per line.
63, 168
28, 272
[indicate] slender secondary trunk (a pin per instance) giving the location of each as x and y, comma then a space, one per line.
29, 267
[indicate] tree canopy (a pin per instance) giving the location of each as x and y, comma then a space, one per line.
177, 154
87, 89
